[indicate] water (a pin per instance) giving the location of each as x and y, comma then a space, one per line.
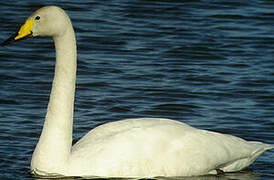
207, 64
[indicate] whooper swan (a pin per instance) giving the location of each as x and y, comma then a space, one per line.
144, 147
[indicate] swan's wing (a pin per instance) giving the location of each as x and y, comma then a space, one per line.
165, 147
118, 127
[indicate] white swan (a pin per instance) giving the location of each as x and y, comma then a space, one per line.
144, 147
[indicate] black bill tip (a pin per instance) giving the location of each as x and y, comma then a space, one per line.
12, 39
8, 41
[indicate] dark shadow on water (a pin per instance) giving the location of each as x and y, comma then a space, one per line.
244, 175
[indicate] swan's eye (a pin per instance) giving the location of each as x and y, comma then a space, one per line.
37, 17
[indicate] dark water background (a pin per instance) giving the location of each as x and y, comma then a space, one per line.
207, 63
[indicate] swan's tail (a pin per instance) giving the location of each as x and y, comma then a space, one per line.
258, 149
270, 146
263, 146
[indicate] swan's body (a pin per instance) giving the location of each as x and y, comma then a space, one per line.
144, 147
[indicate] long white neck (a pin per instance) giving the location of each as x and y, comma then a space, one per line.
53, 149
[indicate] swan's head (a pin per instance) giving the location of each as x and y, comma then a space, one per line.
48, 21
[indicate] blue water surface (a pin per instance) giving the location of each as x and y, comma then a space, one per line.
207, 63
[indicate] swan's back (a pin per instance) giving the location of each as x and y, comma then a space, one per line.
138, 147
114, 128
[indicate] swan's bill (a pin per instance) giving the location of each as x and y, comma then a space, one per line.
24, 32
